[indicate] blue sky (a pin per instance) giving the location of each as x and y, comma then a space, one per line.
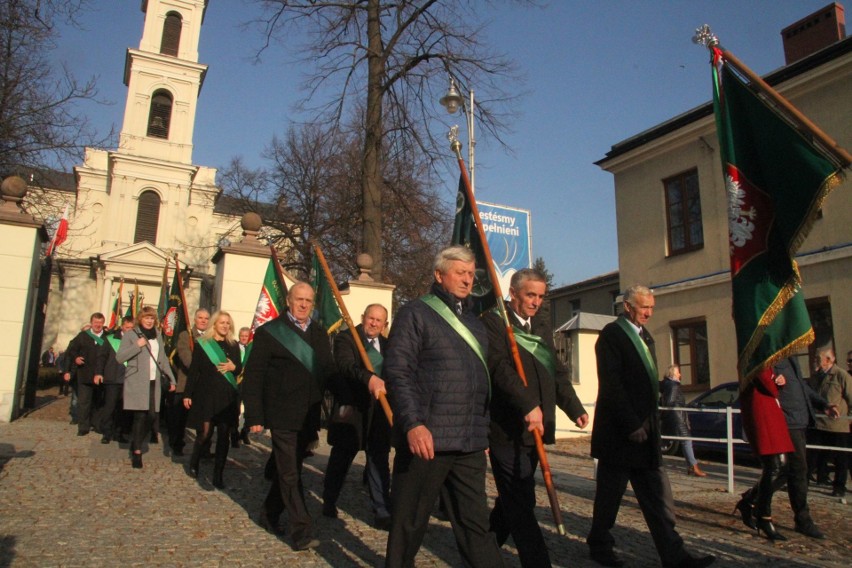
597, 72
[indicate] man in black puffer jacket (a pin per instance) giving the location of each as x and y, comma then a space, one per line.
439, 389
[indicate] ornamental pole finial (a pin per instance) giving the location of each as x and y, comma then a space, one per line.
704, 36
453, 137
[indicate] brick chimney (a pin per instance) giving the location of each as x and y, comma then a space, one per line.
814, 32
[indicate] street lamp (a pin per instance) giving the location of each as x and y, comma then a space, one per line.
452, 101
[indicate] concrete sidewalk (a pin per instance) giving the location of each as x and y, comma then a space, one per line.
72, 501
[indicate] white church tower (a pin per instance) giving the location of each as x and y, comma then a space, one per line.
135, 207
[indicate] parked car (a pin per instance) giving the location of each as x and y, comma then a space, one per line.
712, 424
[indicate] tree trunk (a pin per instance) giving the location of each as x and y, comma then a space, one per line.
371, 180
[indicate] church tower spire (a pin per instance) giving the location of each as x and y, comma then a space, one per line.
164, 81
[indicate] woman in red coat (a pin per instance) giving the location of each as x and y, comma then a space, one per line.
766, 429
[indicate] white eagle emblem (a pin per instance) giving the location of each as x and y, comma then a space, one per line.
740, 225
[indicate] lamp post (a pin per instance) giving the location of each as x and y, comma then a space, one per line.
452, 101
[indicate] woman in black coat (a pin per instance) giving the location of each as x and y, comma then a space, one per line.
676, 422
211, 394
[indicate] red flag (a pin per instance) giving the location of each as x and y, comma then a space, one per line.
61, 233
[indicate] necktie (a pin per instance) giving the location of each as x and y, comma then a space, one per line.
458, 308
527, 326
375, 343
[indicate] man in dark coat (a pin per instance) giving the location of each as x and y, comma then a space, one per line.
439, 388
283, 386
177, 412
517, 410
358, 421
626, 437
110, 373
82, 353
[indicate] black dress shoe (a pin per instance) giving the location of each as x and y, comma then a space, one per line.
606, 558
810, 530
306, 543
329, 510
82, 432
155, 439
105, 440
177, 451
747, 512
838, 493
136, 461
267, 524
765, 525
244, 437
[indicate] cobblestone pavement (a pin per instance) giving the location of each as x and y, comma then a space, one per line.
72, 501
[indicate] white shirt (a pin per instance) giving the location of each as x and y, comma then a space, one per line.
154, 347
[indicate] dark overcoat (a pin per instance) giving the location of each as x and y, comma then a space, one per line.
211, 393
626, 402
84, 345
278, 391
349, 385
511, 401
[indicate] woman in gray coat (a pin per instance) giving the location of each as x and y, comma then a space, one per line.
143, 352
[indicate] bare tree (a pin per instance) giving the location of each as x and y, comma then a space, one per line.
39, 126
392, 58
311, 190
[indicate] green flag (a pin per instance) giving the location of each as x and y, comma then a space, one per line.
327, 313
776, 181
115, 314
465, 233
271, 303
174, 321
272, 300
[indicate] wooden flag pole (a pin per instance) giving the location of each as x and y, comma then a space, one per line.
704, 36
164, 285
349, 323
183, 303
492, 273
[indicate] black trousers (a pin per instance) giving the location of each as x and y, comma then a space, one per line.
654, 493
286, 491
108, 414
797, 478
143, 420
176, 415
377, 470
459, 479
514, 468
85, 399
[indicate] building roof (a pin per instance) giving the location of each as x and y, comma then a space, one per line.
50, 179
594, 282
777, 77
585, 321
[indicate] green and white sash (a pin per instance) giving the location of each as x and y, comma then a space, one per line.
99, 340
537, 348
451, 318
114, 342
217, 357
293, 343
376, 359
644, 354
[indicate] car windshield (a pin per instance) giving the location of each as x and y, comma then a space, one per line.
725, 395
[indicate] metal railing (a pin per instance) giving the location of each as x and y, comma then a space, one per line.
729, 440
